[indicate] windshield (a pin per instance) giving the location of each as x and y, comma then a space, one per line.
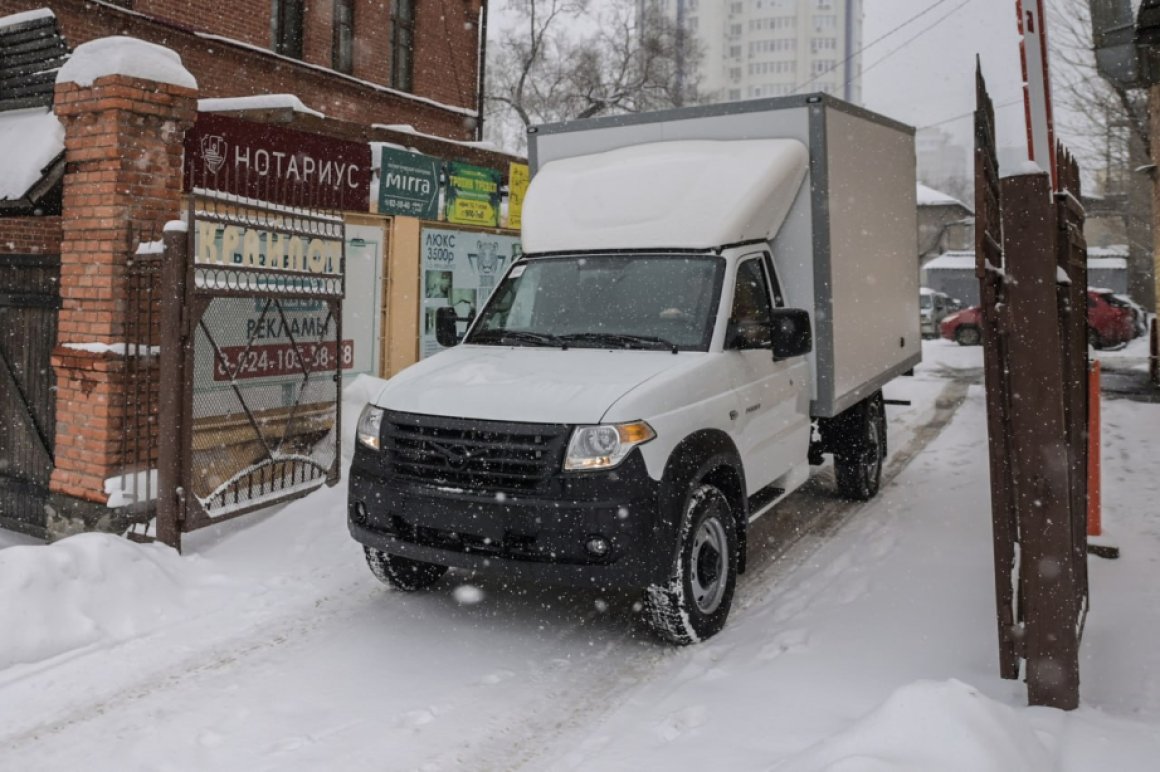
601, 301
924, 301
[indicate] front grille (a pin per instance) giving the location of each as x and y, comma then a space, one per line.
488, 456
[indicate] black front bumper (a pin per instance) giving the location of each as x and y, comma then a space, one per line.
539, 536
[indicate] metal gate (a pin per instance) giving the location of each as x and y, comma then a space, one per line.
255, 386
1031, 263
29, 299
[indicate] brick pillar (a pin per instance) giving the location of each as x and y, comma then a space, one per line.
123, 143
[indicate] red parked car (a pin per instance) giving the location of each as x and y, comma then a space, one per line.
964, 327
1109, 322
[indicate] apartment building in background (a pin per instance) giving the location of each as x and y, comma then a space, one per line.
767, 48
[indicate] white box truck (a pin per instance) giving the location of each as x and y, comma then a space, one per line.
710, 301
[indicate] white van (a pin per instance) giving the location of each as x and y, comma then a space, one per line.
709, 301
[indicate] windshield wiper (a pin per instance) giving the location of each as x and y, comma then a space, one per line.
518, 337
623, 340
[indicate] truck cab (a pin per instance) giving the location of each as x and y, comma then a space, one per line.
640, 385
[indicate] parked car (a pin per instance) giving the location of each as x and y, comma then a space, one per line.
964, 327
1139, 315
1110, 321
933, 306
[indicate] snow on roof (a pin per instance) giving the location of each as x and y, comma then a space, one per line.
1113, 250
26, 16
930, 197
121, 55
256, 102
29, 141
1023, 167
697, 194
406, 128
963, 260
956, 261
1107, 263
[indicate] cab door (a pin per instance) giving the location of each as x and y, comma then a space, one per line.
772, 424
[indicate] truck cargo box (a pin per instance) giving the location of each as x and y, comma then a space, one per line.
847, 249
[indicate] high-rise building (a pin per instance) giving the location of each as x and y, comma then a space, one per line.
764, 48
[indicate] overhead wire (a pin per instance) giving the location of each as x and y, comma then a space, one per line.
909, 40
872, 43
1017, 101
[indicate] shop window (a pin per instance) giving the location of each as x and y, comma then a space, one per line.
287, 27
343, 56
403, 44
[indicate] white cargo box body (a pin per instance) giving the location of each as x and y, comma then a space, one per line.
846, 251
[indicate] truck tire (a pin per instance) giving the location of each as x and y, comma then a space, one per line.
859, 465
401, 573
695, 603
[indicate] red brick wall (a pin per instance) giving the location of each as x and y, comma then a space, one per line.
123, 168
445, 54
30, 235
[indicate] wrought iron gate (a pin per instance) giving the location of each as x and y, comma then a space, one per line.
29, 299
256, 390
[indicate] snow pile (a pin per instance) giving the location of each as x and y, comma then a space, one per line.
258, 102
89, 589
120, 55
930, 725
30, 140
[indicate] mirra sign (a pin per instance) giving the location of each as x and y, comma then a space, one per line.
277, 165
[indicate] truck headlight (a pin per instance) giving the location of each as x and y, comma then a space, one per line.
604, 446
369, 422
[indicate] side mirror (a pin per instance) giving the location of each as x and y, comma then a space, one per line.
790, 329
445, 332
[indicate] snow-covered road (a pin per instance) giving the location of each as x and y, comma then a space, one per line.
284, 653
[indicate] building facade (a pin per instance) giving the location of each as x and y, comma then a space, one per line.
118, 122
366, 61
767, 48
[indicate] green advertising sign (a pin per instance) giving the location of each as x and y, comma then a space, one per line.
409, 184
472, 195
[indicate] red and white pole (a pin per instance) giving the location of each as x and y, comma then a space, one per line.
1037, 86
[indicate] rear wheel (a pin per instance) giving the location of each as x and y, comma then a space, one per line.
968, 336
695, 603
858, 465
402, 573
1094, 339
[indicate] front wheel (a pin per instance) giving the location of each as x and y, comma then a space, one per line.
859, 464
695, 603
402, 573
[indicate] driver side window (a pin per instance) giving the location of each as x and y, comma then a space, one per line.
752, 312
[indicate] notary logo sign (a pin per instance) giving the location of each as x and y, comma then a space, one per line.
213, 152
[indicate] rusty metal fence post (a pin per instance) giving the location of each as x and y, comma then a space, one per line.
172, 407
1038, 438
988, 269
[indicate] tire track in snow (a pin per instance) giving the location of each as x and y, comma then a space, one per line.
779, 546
